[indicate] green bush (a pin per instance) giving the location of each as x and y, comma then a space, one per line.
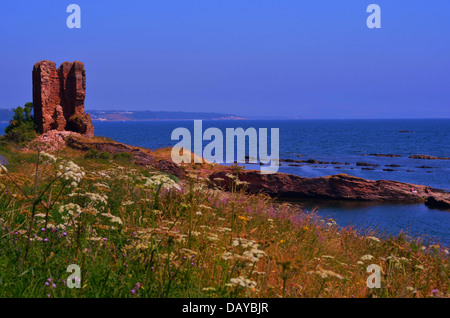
95, 154
91, 154
126, 156
104, 155
22, 126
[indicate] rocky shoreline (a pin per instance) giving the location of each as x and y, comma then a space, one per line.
58, 98
335, 187
278, 185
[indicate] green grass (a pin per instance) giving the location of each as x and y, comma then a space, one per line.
137, 233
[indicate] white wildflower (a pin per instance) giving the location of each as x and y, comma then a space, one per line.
227, 256
243, 282
71, 172
373, 238
101, 185
51, 226
331, 223
47, 158
325, 273
163, 181
366, 257
113, 218
213, 237
128, 202
239, 182
71, 209
209, 289
93, 198
411, 289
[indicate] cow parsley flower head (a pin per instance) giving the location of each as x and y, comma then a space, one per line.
47, 158
70, 172
113, 218
366, 257
163, 181
243, 282
373, 238
70, 208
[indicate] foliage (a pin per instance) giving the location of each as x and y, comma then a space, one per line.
136, 232
122, 156
22, 126
95, 154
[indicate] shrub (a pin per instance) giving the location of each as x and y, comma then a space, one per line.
91, 154
21, 127
122, 156
104, 155
95, 154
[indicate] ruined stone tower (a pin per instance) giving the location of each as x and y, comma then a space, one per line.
58, 97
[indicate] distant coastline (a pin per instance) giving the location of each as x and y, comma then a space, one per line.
167, 119
143, 115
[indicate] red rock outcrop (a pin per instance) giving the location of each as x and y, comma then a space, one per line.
336, 187
140, 156
58, 97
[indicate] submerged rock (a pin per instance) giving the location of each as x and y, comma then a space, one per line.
427, 157
365, 164
383, 155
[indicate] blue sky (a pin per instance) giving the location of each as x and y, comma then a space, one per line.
290, 58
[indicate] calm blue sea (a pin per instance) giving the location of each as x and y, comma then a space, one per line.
341, 141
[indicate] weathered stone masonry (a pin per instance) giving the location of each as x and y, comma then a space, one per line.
58, 97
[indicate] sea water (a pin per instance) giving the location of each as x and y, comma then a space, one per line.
340, 141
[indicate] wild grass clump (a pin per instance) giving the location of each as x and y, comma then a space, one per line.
136, 232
